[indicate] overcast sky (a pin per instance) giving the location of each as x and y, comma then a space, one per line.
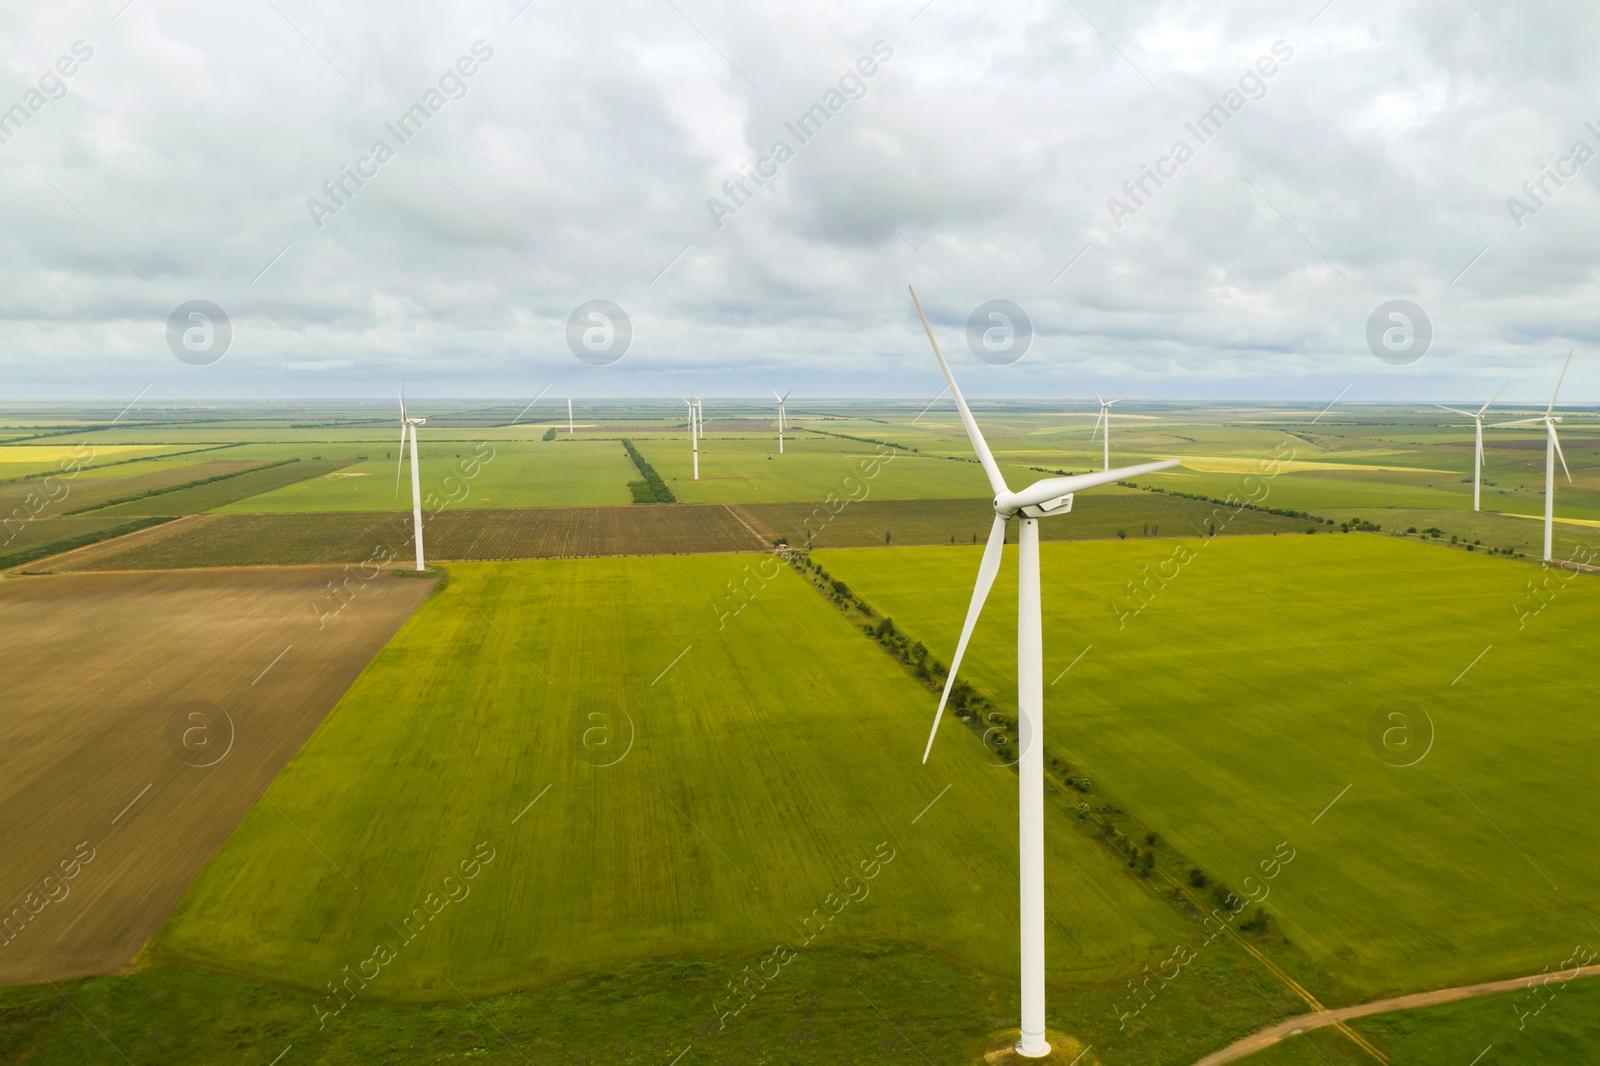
184, 158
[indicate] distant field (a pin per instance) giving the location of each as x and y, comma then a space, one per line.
1100, 514
18, 460
79, 746
52, 497
508, 474
530, 533
202, 498
24, 542
1227, 716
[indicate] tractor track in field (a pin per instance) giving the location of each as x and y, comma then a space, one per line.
1272, 1034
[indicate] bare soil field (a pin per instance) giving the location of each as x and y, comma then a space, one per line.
144, 714
466, 535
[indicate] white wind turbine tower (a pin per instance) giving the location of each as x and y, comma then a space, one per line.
569, 416
409, 426
694, 429
1050, 496
1477, 458
1552, 449
781, 423
1103, 422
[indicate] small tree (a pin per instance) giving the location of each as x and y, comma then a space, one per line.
1122, 534
1197, 878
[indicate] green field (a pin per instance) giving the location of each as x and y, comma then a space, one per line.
504, 474
1228, 726
742, 741
1240, 703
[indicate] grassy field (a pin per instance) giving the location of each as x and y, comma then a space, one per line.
1237, 704
747, 794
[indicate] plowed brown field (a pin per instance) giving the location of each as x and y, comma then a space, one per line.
143, 714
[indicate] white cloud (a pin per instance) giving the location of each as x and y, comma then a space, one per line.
977, 165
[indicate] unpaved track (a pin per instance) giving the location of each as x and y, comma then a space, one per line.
97, 668
1272, 1034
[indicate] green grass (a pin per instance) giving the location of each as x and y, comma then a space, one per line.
1227, 726
516, 474
764, 770
749, 470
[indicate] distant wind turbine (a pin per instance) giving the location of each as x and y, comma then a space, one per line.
694, 429
1552, 449
780, 400
1050, 496
1103, 422
1477, 458
408, 426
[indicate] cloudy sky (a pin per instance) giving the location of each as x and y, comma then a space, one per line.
1356, 154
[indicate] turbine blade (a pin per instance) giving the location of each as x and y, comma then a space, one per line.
987, 569
990, 467
1559, 380
1518, 422
775, 396
1097, 397
400, 463
1051, 487
1458, 411
1555, 439
1492, 399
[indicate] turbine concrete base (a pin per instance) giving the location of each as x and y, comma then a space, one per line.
1064, 1051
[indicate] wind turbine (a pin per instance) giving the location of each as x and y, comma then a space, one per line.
1104, 422
694, 429
1040, 500
1477, 460
780, 400
1552, 448
569, 416
409, 426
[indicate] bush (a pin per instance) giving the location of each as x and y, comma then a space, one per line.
1197, 878
549, 434
652, 489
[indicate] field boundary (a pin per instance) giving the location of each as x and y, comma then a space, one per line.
1273, 1034
112, 544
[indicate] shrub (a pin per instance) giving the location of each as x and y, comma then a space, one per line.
1197, 878
549, 434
